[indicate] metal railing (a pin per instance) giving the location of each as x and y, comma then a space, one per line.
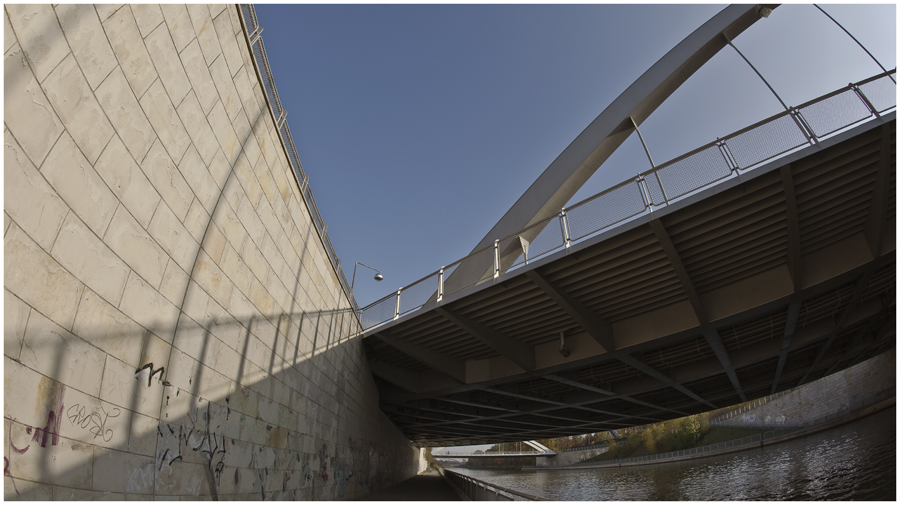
852, 407
492, 454
725, 158
480, 490
750, 406
601, 445
258, 50
848, 410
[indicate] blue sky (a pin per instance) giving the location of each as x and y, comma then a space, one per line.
420, 125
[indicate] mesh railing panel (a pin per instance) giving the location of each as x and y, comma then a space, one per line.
606, 209
313, 211
512, 252
467, 272
882, 93
292, 152
259, 52
654, 189
765, 141
692, 172
249, 18
539, 239
379, 312
550, 238
415, 295
832, 114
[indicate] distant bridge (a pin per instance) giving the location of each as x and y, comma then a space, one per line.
753, 264
539, 450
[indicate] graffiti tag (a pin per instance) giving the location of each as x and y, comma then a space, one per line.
95, 422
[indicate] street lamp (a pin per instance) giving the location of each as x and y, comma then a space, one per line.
378, 276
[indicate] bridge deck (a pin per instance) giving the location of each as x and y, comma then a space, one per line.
743, 289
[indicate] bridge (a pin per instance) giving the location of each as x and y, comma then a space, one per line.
756, 263
538, 450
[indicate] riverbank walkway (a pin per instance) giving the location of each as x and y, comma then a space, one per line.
429, 486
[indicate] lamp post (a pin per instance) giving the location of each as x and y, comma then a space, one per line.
378, 276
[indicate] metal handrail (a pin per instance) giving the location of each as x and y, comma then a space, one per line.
252, 32
752, 405
729, 162
476, 489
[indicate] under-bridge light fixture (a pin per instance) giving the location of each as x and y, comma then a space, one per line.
765, 11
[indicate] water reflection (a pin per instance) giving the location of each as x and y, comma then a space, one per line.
856, 461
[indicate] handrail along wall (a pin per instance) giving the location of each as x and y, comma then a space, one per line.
252, 31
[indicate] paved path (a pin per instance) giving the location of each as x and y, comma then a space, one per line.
426, 487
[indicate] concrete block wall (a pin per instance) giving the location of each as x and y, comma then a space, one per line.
173, 327
839, 391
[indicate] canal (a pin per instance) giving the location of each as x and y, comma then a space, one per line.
856, 461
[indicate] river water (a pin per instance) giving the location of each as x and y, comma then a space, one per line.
856, 461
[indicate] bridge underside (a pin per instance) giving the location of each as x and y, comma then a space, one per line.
744, 289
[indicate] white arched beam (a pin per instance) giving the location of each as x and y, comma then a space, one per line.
578, 162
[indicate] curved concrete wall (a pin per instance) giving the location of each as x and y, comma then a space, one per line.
844, 390
173, 327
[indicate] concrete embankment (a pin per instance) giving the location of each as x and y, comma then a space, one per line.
756, 441
840, 398
872, 378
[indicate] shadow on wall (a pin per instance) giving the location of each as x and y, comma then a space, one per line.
256, 427
223, 406
237, 387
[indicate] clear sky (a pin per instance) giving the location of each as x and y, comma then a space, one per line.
421, 125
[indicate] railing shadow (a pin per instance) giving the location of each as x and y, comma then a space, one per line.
257, 428
252, 406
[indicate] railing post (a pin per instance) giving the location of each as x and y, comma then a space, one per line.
804, 128
255, 35
865, 100
397, 305
645, 192
564, 226
440, 295
496, 258
726, 154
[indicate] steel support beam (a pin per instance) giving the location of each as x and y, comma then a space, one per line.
402, 378
517, 352
878, 209
561, 404
610, 395
793, 225
595, 326
652, 372
445, 364
861, 287
710, 334
789, 326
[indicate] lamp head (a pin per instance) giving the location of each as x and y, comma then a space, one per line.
378, 277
